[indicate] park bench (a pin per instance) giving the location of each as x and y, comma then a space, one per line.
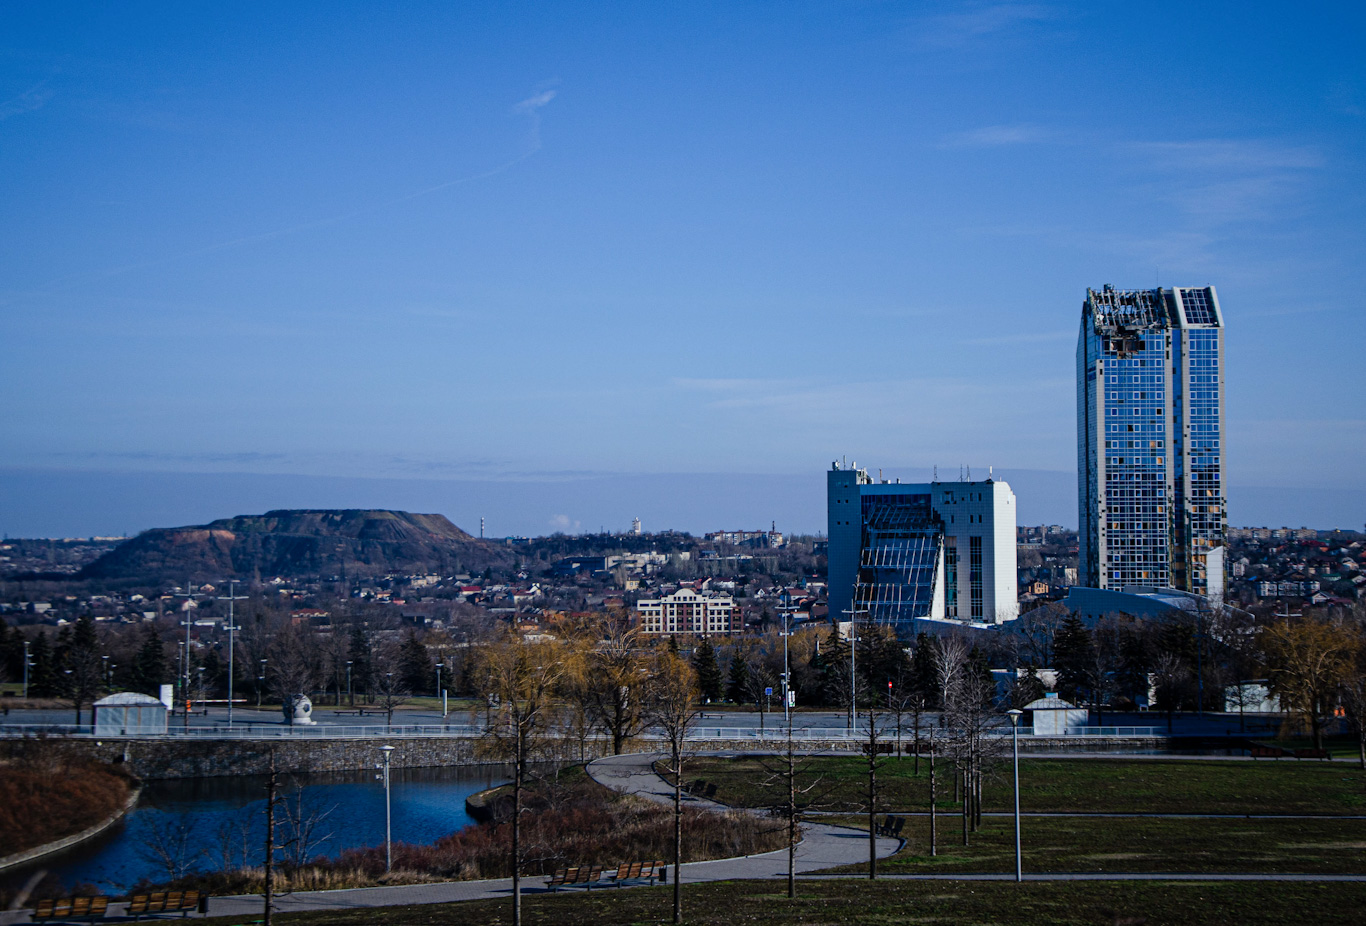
1311, 753
584, 875
710, 792
891, 826
163, 903
636, 872
1267, 752
70, 908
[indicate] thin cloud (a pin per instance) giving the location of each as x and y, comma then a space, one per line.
997, 136
529, 107
981, 21
533, 103
34, 98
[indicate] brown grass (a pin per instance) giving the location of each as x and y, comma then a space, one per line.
48, 793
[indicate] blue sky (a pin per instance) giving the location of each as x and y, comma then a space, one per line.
550, 244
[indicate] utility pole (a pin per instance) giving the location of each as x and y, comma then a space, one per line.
188, 595
231, 597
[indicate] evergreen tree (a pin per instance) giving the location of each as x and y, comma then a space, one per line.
924, 679
150, 670
42, 674
737, 683
834, 678
415, 666
362, 666
11, 652
704, 663
1073, 655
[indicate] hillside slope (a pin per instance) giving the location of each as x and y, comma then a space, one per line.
298, 543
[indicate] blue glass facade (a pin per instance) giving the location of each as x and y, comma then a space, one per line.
1149, 426
901, 546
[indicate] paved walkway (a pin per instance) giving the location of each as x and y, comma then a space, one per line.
823, 846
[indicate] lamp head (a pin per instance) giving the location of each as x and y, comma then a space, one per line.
1015, 715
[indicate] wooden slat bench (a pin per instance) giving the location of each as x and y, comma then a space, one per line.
1266, 752
167, 903
71, 908
584, 876
636, 872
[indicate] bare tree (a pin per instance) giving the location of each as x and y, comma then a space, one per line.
291, 669
303, 827
523, 676
168, 842
609, 679
389, 688
232, 841
873, 749
674, 705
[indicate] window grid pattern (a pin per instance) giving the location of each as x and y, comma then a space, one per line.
1199, 309
901, 543
1204, 509
975, 574
1137, 510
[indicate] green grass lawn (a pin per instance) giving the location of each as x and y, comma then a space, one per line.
1085, 844
1110, 785
887, 902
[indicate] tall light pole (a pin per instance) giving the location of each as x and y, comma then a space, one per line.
853, 668
105, 660
260, 683
1015, 743
388, 818
231, 597
350, 696
787, 669
26, 665
438, 679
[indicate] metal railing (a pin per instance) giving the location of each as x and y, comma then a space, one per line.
699, 733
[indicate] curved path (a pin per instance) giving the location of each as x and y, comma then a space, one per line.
823, 845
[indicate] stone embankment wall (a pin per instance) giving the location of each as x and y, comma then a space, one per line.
156, 758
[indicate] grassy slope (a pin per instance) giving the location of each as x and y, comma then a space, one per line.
46, 801
764, 904
1084, 785
1063, 844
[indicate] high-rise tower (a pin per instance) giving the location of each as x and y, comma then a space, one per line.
1150, 439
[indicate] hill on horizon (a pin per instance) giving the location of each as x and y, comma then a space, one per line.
290, 542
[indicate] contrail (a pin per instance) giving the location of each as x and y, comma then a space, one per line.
530, 108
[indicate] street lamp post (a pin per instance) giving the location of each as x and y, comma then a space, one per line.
26, 665
853, 669
105, 660
438, 679
388, 819
231, 597
260, 683
1015, 743
350, 695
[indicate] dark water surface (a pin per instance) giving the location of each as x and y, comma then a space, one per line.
213, 815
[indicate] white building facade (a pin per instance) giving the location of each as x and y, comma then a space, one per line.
687, 611
900, 553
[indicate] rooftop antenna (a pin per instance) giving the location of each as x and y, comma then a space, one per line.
969, 474
481, 528
936, 473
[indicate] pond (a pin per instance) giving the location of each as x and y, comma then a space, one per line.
205, 821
